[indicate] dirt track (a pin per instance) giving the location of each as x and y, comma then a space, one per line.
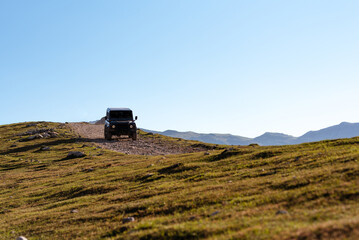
143, 146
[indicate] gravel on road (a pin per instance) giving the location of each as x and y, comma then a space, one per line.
143, 146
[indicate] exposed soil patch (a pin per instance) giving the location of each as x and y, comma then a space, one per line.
145, 144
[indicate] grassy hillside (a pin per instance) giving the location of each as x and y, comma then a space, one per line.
307, 191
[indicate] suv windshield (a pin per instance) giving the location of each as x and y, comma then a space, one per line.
121, 115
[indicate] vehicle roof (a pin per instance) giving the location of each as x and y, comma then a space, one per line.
118, 109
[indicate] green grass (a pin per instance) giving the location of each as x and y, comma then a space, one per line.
229, 194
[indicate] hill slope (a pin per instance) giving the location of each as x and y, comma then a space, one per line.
269, 138
307, 191
214, 138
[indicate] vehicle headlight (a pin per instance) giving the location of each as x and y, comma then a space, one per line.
131, 126
113, 126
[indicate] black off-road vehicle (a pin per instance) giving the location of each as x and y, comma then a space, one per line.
119, 121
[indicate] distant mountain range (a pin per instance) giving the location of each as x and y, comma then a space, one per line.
342, 130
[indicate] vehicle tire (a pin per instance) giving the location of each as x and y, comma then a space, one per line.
134, 136
108, 135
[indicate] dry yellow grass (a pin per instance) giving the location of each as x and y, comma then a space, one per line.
307, 191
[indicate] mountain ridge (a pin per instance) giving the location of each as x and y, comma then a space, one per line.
342, 130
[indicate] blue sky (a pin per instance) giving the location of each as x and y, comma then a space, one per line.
240, 67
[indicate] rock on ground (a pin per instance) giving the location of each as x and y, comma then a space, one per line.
128, 219
21, 238
279, 212
75, 154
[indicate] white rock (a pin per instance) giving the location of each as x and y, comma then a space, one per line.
74, 211
128, 219
21, 238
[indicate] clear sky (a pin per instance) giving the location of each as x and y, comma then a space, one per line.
224, 66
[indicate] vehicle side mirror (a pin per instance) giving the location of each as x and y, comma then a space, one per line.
136, 118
